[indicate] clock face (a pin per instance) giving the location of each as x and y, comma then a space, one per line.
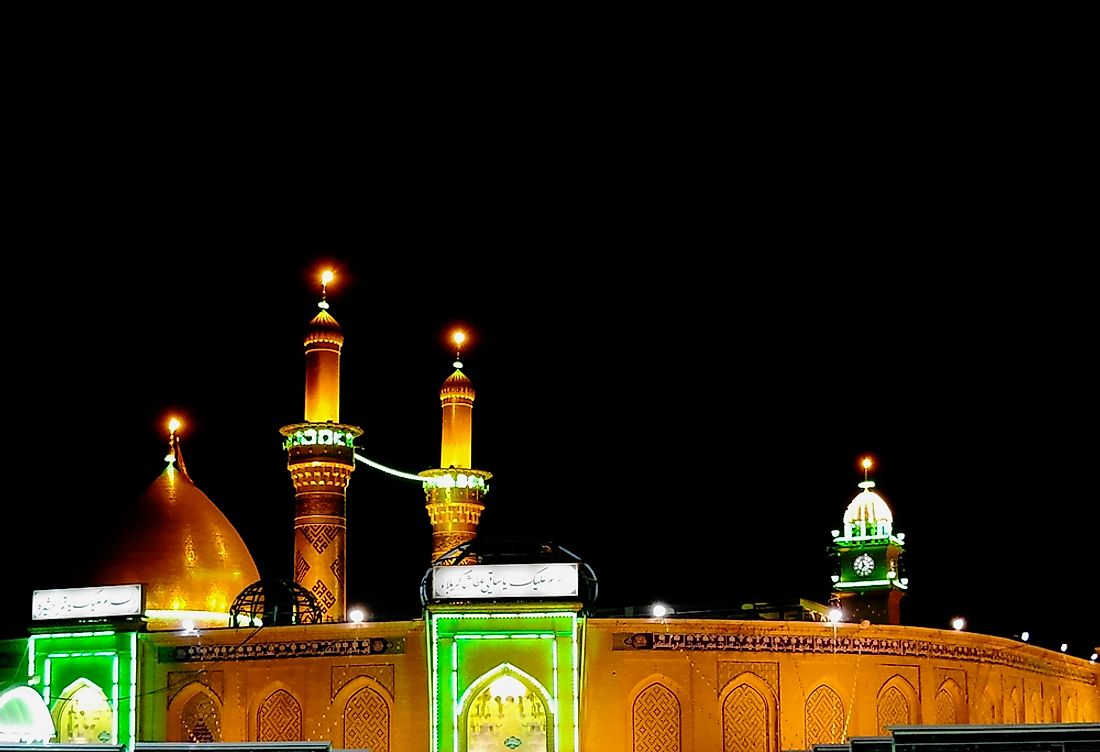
864, 565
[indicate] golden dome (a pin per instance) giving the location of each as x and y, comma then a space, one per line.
324, 328
187, 555
457, 384
868, 506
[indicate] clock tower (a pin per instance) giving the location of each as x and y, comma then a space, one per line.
869, 582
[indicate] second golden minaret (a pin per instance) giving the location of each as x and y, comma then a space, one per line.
455, 490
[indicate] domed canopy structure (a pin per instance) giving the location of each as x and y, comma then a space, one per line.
868, 513
457, 384
182, 549
324, 328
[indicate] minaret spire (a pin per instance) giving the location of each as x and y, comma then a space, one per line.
321, 458
454, 490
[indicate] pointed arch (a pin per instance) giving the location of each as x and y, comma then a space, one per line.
989, 708
1034, 708
950, 704
656, 716
366, 714
1052, 713
529, 717
1014, 711
896, 700
1070, 714
824, 716
749, 715
83, 714
194, 715
279, 718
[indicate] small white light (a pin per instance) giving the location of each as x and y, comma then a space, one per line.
835, 615
659, 610
1025, 635
836, 533
904, 580
189, 627
958, 623
1093, 657
356, 615
1065, 647
835, 577
901, 536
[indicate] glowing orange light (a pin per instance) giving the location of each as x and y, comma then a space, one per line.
866, 464
326, 276
174, 425
458, 337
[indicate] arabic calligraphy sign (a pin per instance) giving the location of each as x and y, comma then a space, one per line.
86, 603
505, 581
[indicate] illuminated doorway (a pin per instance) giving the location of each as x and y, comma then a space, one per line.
83, 715
507, 710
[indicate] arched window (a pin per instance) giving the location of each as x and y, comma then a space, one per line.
656, 720
824, 717
279, 718
367, 721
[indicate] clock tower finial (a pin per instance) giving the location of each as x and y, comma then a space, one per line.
870, 582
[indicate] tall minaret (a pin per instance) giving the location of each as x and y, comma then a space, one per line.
454, 490
321, 456
870, 582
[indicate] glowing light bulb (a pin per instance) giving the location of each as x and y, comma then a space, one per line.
866, 463
1025, 635
835, 615
958, 623
659, 610
326, 277
1093, 657
1064, 647
356, 615
458, 337
174, 425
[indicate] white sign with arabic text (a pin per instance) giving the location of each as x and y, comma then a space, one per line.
505, 581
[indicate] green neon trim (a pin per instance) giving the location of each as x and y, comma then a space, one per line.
46, 680
869, 538
31, 658
58, 635
454, 689
133, 691
871, 583
114, 697
503, 670
433, 681
557, 714
576, 689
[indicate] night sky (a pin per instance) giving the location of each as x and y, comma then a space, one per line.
683, 405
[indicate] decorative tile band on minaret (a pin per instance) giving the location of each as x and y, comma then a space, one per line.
321, 458
454, 490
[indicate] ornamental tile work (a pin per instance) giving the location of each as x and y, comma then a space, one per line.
177, 680
319, 536
367, 722
794, 643
301, 566
745, 721
824, 716
767, 671
893, 710
656, 720
341, 675
279, 718
200, 720
299, 649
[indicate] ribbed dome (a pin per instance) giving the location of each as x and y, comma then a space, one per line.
324, 328
178, 544
869, 507
457, 384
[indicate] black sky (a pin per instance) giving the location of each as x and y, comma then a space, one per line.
694, 305
686, 418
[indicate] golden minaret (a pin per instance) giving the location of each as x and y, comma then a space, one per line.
321, 458
455, 490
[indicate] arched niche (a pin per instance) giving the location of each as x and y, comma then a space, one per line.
750, 715
506, 708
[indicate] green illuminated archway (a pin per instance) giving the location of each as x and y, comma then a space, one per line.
506, 706
83, 714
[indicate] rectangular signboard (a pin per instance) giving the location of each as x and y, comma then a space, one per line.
87, 603
505, 581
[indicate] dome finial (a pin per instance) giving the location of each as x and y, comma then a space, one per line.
458, 337
866, 463
175, 455
326, 278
